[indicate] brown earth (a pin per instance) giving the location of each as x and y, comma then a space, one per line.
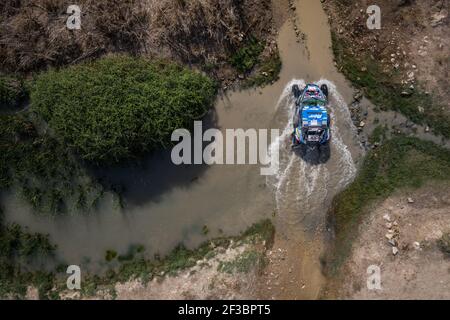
412, 45
416, 221
33, 34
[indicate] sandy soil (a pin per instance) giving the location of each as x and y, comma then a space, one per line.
415, 221
293, 271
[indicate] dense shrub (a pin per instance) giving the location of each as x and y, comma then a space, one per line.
120, 106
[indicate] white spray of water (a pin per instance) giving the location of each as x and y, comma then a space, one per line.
339, 106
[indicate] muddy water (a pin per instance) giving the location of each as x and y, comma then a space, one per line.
305, 185
166, 205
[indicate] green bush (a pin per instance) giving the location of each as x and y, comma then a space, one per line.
248, 56
119, 106
267, 71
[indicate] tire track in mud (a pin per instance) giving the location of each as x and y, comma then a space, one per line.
304, 186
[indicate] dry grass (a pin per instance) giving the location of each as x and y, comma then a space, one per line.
33, 34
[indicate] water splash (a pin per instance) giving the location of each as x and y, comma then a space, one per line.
301, 188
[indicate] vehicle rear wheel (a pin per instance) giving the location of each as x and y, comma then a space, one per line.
324, 89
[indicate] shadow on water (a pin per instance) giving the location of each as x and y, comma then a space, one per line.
146, 180
314, 155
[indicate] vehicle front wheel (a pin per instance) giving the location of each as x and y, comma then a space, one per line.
324, 89
296, 91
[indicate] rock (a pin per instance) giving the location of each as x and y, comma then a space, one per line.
393, 242
437, 19
362, 124
410, 200
394, 251
389, 225
387, 217
427, 129
358, 95
406, 93
416, 245
389, 236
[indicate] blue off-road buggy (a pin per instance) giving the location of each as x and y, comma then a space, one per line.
311, 118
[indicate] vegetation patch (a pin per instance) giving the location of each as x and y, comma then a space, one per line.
18, 249
266, 72
365, 73
402, 162
243, 263
247, 56
444, 244
12, 91
110, 255
262, 231
378, 135
119, 106
42, 170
